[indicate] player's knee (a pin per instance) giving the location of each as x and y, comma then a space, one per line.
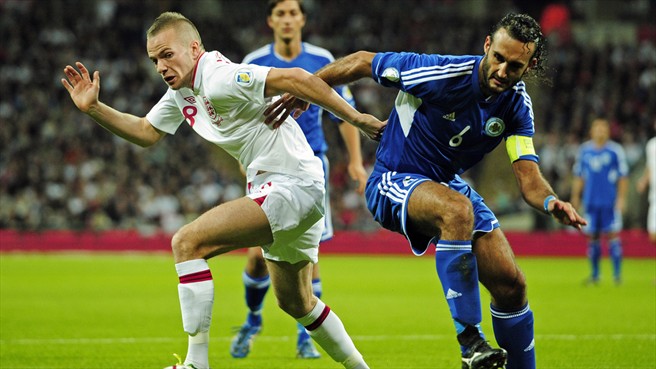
460, 214
256, 265
183, 245
511, 294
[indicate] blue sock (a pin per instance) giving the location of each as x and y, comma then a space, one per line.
594, 254
615, 246
456, 267
514, 332
317, 291
256, 289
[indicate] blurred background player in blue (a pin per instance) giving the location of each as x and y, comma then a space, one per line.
600, 184
286, 18
449, 113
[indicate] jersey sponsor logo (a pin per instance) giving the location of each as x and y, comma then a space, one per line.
216, 119
494, 127
451, 116
244, 77
190, 99
391, 74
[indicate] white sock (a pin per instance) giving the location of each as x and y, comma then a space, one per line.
327, 330
198, 350
196, 292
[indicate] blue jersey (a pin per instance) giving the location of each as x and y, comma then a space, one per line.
311, 58
600, 168
441, 124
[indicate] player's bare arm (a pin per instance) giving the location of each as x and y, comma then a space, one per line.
577, 188
340, 72
310, 88
356, 170
622, 188
535, 189
84, 91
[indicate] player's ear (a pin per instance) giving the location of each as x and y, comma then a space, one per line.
486, 45
196, 49
533, 63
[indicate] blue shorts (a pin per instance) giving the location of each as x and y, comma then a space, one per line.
602, 220
388, 194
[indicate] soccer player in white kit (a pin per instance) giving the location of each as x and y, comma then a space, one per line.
224, 103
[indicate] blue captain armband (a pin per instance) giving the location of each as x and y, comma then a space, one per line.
520, 147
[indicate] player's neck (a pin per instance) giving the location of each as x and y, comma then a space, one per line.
288, 49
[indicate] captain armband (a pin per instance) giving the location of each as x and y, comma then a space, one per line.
520, 147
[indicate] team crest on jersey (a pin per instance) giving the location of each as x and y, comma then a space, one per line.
391, 74
244, 77
216, 119
494, 127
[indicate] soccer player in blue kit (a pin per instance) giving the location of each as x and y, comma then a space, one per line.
449, 113
287, 18
600, 184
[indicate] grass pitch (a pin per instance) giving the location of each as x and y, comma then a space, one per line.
121, 311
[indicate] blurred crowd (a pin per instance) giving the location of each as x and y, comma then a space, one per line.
59, 170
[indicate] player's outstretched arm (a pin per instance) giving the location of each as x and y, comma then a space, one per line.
340, 72
538, 193
310, 88
84, 91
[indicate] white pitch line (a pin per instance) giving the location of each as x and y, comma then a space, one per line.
443, 337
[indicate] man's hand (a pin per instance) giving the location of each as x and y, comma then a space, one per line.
281, 108
370, 126
565, 214
83, 90
359, 175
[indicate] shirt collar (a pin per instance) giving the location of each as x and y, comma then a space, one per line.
195, 77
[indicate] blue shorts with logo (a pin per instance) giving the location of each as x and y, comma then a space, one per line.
388, 193
602, 219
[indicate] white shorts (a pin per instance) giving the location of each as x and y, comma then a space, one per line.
294, 207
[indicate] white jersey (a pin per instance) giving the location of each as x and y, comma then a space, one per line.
226, 107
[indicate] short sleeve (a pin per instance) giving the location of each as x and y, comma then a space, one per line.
166, 115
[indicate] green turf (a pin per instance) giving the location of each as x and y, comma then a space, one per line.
121, 311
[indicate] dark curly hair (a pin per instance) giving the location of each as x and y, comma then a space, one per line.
524, 28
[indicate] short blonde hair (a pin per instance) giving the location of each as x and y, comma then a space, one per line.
172, 19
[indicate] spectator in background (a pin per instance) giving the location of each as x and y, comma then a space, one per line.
286, 18
599, 187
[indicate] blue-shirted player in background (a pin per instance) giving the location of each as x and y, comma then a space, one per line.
600, 184
449, 113
287, 18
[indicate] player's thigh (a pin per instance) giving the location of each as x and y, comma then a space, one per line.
234, 224
497, 268
430, 205
292, 285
